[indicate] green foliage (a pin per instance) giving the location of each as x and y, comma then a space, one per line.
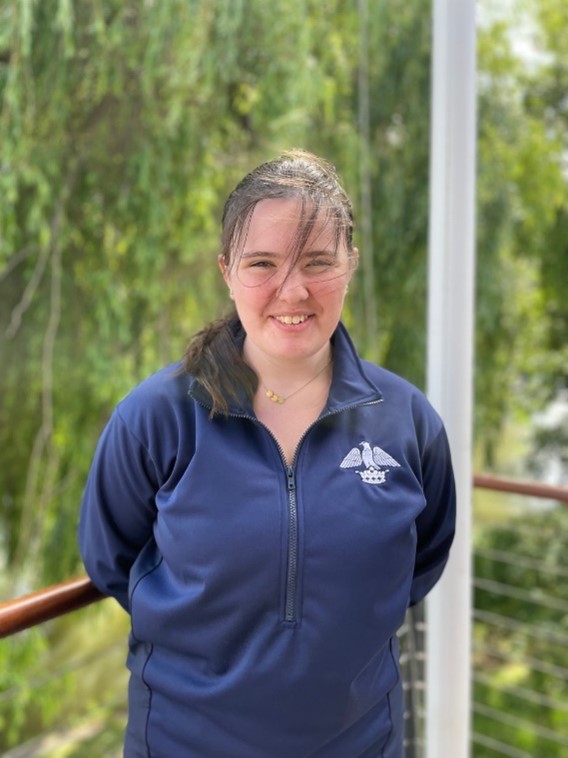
112, 179
522, 230
522, 659
122, 129
22, 703
64, 673
399, 80
123, 125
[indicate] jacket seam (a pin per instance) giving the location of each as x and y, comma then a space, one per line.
135, 587
150, 695
137, 438
389, 697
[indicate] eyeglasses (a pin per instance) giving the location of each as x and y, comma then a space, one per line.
257, 269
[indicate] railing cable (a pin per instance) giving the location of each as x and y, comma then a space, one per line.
522, 693
517, 593
499, 747
520, 561
530, 630
550, 669
506, 718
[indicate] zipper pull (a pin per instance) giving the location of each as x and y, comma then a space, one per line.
291, 479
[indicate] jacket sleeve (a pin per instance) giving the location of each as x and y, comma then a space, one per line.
435, 526
118, 508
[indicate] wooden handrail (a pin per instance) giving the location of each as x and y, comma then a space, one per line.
51, 602
534, 489
43, 605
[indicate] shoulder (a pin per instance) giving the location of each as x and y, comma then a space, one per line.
152, 426
405, 399
158, 401
169, 383
392, 384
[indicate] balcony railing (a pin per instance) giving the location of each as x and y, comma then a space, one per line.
46, 604
50, 603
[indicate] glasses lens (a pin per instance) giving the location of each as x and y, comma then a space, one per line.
257, 271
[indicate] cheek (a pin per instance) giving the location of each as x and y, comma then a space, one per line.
249, 299
333, 290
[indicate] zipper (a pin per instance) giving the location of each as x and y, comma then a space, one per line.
290, 610
292, 565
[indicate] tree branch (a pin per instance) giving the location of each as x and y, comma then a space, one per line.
36, 496
45, 253
29, 292
16, 259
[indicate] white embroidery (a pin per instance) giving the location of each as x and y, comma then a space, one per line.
374, 461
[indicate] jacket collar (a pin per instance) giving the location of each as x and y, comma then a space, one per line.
350, 385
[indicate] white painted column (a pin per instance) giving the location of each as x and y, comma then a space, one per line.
450, 360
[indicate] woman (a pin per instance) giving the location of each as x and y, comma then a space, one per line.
267, 511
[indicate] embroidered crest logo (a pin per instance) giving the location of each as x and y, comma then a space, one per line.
374, 463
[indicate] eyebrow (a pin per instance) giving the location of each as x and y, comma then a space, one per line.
306, 254
260, 253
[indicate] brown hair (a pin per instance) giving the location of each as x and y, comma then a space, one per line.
213, 356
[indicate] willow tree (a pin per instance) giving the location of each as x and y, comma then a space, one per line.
123, 126
522, 229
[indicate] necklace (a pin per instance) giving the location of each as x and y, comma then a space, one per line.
276, 398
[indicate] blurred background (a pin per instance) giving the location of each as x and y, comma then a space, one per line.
123, 126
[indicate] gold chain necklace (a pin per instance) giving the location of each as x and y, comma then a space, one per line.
276, 398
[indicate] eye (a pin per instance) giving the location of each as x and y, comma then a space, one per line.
321, 263
261, 264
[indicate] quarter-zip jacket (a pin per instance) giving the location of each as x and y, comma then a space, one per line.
265, 597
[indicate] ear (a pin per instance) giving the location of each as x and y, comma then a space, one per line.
225, 274
222, 267
354, 259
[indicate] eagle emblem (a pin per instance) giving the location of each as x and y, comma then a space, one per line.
374, 463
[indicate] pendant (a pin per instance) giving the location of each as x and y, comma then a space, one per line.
274, 397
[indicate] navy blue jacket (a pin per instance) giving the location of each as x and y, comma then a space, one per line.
265, 598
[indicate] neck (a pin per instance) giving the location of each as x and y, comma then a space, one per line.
286, 372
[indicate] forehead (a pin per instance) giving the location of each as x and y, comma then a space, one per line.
279, 224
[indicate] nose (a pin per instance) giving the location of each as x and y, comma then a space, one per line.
293, 287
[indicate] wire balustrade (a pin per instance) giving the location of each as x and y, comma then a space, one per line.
520, 667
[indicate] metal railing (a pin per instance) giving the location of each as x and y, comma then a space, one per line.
43, 605
520, 666
52, 602
57, 600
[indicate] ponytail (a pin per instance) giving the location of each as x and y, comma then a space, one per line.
213, 358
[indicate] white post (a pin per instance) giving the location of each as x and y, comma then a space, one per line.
450, 360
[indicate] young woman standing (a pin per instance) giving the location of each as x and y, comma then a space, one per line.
267, 509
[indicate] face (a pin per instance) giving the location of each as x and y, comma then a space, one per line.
289, 305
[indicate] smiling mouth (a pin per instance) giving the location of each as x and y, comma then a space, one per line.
292, 319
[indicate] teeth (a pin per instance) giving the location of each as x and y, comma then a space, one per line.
291, 319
